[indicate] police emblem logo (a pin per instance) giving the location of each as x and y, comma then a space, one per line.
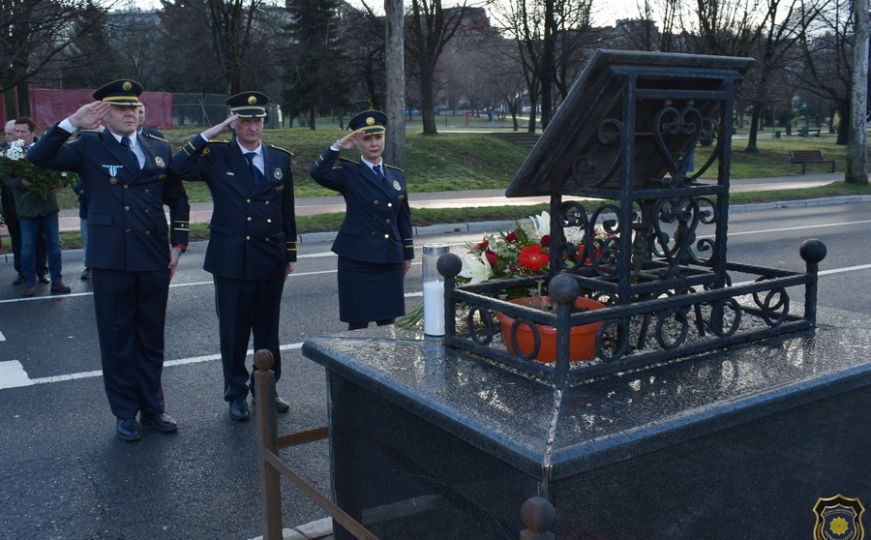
159, 161
278, 174
127, 86
252, 100
397, 186
370, 121
838, 518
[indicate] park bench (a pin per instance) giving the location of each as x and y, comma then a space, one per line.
805, 157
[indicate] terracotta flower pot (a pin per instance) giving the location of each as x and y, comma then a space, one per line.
582, 343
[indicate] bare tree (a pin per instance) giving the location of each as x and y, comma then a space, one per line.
394, 40
230, 24
857, 151
826, 42
431, 28
35, 32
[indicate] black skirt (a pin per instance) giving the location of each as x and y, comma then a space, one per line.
370, 291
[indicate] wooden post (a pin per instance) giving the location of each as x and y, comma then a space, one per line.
537, 514
270, 481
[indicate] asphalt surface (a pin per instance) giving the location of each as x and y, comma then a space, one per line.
65, 476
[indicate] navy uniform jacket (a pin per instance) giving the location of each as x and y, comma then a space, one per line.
127, 229
377, 225
253, 229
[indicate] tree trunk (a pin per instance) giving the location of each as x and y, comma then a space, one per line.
427, 104
754, 130
844, 126
547, 62
857, 152
394, 151
312, 116
533, 105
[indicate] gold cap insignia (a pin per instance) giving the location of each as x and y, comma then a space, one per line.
370, 121
252, 100
127, 86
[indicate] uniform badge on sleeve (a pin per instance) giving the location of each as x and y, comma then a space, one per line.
159, 161
396, 185
278, 174
838, 518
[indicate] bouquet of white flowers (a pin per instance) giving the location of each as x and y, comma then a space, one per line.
14, 162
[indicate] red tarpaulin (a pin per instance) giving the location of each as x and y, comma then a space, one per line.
49, 106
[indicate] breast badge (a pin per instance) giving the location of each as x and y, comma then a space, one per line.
838, 518
278, 174
159, 161
396, 185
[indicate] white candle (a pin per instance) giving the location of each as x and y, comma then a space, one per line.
434, 308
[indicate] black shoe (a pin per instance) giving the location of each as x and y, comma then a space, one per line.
239, 410
128, 430
86, 274
280, 405
19, 280
59, 287
44, 279
162, 422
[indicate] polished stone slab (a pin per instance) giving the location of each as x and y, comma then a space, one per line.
411, 418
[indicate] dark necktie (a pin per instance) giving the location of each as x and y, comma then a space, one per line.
125, 142
380, 174
256, 175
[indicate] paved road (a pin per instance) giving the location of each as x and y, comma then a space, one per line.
202, 212
65, 476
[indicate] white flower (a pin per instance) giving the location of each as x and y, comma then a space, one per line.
541, 224
15, 151
476, 268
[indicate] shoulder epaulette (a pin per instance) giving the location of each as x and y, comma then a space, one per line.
217, 142
285, 150
394, 167
153, 136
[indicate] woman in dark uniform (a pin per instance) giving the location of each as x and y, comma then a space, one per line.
374, 244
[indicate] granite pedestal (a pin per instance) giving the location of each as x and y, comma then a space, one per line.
431, 442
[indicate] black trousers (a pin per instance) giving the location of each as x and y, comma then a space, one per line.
10, 217
131, 314
244, 307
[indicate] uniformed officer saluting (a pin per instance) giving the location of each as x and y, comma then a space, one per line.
128, 182
374, 243
252, 245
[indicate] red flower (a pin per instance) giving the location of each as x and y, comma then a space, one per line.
533, 258
482, 245
545, 240
511, 237
491, 257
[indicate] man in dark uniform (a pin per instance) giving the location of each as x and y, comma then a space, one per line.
374, 244
127, 179
143, 129
252, 244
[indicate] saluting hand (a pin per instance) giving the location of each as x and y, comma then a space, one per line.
223, 127
90, 115
350, 140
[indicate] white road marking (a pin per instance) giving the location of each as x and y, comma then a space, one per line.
12, 375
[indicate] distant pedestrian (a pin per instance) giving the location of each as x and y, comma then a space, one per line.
374, 244
142, 128
127, 180
10, 218
252, 246
37, 216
